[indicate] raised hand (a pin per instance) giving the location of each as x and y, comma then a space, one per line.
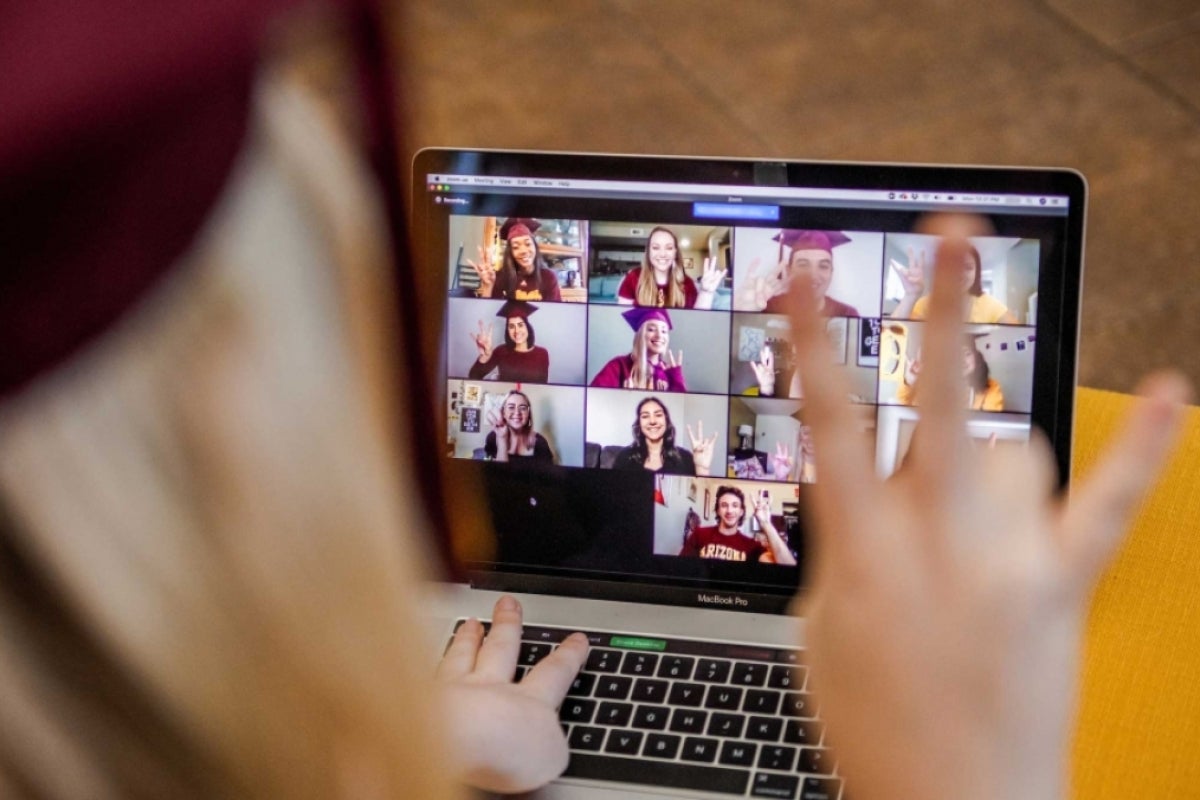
711, 277
932, 589
486, 272
757, 288
702, 448
781, 465
764, 372
484, 707
673, 360
912, 275
483, 341
762, 510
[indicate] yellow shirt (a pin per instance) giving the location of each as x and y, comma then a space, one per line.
984, 309
990, 399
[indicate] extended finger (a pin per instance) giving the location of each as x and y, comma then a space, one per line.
550, 679
691, 435
940, 443
459, 659
1098, 511
845, 467
497, 659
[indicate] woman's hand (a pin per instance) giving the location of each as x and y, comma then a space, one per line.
500, 429
912, 275
710, 278
485, 271
764, 372
483, 342
947, 603
505, 736
702, 448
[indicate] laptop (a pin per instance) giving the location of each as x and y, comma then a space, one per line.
618, 397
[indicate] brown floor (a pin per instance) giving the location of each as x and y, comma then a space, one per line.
1109, 87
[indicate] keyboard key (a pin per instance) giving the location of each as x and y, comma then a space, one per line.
624, 742
724, 697
691, 777
519, 674
768, 785
648, 690
532, 652
614, 714
585, 738
602, 660
764, 729
662, 745
747, 673
730, 725
685, 720
652, 718
802, 731
577, 710
784, 677
582, 685
738, 754
699, 750
710, 670
677, 667
776, 756
686, 694
613, 687
639, 664
820, 789
761, 701
799, 704
816, 760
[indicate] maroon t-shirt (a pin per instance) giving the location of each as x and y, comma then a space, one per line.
710, 543
628, 290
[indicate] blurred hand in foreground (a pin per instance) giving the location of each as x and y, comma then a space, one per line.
505, 736
947, 603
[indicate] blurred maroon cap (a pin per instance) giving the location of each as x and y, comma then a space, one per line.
121, 120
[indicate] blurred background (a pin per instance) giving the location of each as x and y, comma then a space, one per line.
1108, 87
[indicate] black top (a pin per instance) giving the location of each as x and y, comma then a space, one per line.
541, 449
684, 464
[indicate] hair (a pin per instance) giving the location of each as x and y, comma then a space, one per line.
670, 454
509, 272
641, 375
526, 436
674, 295
528, 326
736, 492
208, 545
977, 284
978, 379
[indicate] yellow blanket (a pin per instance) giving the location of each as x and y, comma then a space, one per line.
1139, 732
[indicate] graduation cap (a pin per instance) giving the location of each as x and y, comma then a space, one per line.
798, 239
637, 317
518, 226
516, 308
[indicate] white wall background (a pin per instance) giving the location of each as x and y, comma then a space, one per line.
558, 327
857, 265
611, 414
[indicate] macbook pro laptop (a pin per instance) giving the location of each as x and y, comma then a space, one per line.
617, 394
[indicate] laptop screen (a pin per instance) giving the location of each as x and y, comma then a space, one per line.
618, 369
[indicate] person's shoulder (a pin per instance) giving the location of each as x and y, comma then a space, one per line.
988, 308
836, 308
921, 307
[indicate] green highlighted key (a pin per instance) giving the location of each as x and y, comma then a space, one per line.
638, 643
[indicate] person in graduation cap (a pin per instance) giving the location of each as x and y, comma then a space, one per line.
661, 281
518, 360
650, 364
809, 254
524, 274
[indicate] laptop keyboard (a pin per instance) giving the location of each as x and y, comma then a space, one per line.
694, 715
